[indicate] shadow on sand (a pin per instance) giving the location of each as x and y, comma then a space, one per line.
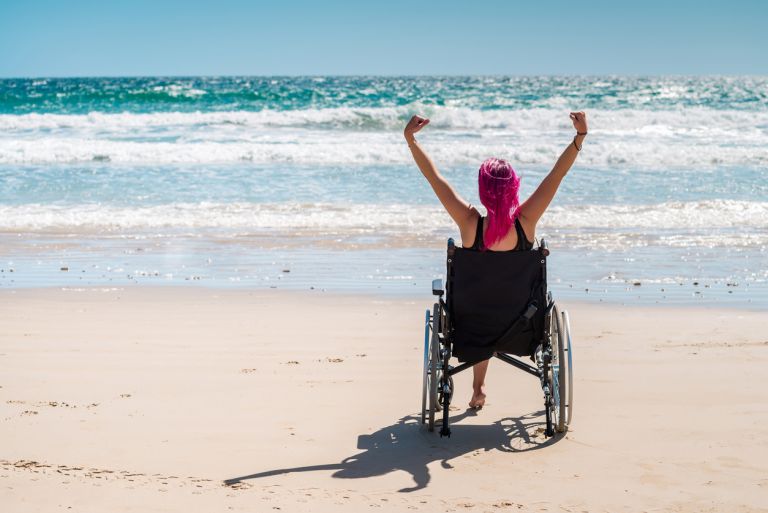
408, 446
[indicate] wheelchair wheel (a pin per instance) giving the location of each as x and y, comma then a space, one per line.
558, 371
425, 378
431, 378
568, 363
443, 395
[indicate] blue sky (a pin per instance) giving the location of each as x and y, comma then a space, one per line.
417, 37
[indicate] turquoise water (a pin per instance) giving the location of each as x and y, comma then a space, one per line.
226, 94
232, 181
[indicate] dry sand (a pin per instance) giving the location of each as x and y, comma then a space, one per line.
148, 399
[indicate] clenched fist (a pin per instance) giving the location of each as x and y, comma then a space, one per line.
414, 125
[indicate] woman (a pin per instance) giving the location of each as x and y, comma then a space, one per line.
509, 225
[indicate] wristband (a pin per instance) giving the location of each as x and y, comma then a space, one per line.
574, 144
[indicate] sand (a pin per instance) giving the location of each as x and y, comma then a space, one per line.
151, 399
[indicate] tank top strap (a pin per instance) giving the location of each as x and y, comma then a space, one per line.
522, 240
479, 244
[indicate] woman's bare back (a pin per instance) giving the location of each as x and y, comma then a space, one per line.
507, 243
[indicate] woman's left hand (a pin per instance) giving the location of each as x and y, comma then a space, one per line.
579, 121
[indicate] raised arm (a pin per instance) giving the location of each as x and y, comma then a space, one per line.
456, 206
535, 206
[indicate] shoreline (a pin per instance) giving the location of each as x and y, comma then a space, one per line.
426, 297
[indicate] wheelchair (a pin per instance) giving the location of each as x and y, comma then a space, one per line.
497, 305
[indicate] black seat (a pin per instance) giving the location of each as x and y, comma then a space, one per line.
496, 302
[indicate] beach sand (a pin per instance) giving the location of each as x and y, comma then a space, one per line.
150, 398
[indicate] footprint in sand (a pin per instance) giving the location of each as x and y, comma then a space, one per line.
105, 475
238, 485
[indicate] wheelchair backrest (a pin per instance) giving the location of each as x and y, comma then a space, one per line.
487, 291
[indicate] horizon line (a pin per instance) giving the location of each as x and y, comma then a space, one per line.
387, 75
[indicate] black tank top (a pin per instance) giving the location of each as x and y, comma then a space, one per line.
523, 244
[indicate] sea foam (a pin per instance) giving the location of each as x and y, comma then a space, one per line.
677, 139
707, 223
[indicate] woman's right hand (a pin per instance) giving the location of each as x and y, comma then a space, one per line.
414, 125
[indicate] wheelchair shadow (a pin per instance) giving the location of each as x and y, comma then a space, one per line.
406, 445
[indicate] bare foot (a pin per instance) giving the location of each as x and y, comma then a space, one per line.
478, 400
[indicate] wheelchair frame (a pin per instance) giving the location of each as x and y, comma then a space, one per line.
553, 359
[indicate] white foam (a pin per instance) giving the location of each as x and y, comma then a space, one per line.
672, 216
678, 139
358, 149
394, 118
175, 91
704, 223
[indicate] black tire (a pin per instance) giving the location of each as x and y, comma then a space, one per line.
558, 372
425, 372
568, 366
434, 354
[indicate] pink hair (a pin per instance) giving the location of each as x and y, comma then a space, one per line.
499, 186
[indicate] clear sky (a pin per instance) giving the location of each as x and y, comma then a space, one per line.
391, 37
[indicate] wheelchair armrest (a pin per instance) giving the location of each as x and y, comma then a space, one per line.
437, 287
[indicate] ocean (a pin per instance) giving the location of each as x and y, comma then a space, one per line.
306, 182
